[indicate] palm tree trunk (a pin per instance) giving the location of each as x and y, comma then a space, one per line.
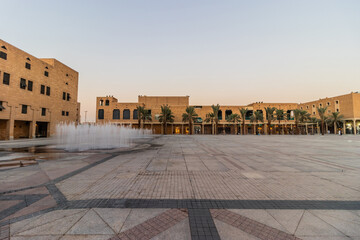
334, 127
322, 127
165, 128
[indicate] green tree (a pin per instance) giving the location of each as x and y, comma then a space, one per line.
255, 118
189, 116
243, 112
313, 121
280, 115
304, 116
166, 116
234, 118
323, 118
143, 115
335, 119
215, 109
269, 111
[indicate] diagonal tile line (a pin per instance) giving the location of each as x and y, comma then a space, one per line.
250, 226
154, 226
26, 202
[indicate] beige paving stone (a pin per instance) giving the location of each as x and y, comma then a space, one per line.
138, 216
311, 226
85, 237
115, 218
181, 231
42, 219
37, 237
228, 232
90, 223
60, 226
261, 216
289, 219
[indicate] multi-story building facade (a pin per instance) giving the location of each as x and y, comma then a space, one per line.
109, 110
35, 94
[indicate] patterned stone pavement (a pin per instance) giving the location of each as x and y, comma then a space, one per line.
189, 187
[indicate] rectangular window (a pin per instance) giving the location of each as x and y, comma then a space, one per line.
3, 55
67, 113
22, 83
6, 78
1, 106
24, 109
63, 113
28, 66
68, 97
30, 85
43, 111
46, 73
64, 95
42, 89
48, 91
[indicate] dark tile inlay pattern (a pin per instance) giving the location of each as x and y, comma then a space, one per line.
202, 226
250, 226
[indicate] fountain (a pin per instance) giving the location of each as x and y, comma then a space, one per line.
73, 137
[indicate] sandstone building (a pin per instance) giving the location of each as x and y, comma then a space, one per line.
35, 94
109, 110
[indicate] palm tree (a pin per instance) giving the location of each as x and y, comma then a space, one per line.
216, 109
257, 117
269, 116
166, 116
280, 116
335, 119
210, 117
322, 116
143, 115
243, 112
304, 116
189, 116
313, 121
297, 115
234, 118
140, 110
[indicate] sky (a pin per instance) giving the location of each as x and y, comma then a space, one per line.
227, 52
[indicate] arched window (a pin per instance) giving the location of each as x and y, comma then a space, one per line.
101, 114
135, 114
220, 115
126, 114
116, 114
227, 113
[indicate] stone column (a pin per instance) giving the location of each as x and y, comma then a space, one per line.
354, 121
162, 128
32, 129
10, 129
172, 128
265, 128
235, 128
307, 132
202, 128
327, 128
182, 128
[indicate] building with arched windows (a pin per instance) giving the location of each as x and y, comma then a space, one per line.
348, 105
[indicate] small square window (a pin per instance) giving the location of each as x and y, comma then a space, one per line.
337, 110
48, 91
1, 106
67, 113
337, 102
28, 66
101, 102
328, 103
22, 83
46, 74
43, 111
307, 107
68, 97
107, 102
24, 109
6, 78
64, 95
3, 55
314, 113
63, 113
42, 89
313, 106
320, 105
30, 85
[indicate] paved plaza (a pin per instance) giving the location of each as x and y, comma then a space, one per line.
187, 187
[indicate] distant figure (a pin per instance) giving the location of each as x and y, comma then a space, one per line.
339, 132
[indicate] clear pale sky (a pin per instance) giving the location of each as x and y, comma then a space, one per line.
226, 52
